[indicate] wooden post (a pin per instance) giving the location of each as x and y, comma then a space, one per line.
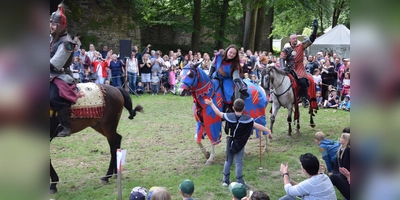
119, 169
260, 145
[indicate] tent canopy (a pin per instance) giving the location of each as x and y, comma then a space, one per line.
337, 40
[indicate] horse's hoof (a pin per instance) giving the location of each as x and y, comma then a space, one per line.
265, 149
288, 136
312, 125
53, 191
103, 182
207, 155
209, 162
269, 137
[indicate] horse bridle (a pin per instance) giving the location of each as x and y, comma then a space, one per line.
283, 79
191, 69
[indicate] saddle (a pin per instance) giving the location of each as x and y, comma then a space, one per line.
91, 105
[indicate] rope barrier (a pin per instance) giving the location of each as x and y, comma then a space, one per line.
95, 178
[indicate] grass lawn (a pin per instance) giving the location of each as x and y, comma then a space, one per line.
161, 151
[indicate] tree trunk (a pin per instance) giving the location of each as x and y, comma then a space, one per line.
338, 6
222, 24
196, 25
321, 26
260, 29
269, 21
250, 27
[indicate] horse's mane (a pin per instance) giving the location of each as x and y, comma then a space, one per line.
279, 71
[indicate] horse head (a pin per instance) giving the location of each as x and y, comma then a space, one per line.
191, 76
265, 77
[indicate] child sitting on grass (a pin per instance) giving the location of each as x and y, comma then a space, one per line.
333, 100
140, 88
345, 105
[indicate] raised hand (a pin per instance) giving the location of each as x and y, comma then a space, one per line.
315, 24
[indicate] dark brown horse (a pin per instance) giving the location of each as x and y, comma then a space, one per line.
115, 100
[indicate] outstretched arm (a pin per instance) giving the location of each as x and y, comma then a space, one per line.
215, 109
313, 35
262, 128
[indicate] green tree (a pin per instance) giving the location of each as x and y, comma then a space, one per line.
340, 7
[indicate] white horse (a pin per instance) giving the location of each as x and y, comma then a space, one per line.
283, 94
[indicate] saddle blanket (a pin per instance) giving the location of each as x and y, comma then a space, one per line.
91, 105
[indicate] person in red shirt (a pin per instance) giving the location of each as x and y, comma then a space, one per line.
100, 68
293, 54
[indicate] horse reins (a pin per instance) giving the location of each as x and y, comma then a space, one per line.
278, 95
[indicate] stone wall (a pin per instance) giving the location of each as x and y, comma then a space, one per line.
104, 25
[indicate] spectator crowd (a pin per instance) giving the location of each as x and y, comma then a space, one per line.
331, 73
157, 73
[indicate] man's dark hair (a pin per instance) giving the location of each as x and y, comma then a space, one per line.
238, 104
310, 163
259, 195
346, 130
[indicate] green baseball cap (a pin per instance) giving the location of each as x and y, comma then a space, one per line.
238, 190
187, 186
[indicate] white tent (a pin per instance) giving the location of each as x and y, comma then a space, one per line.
337, 40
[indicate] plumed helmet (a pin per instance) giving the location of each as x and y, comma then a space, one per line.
59, 17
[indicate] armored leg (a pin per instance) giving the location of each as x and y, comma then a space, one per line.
242, 88
64, 119
304, 91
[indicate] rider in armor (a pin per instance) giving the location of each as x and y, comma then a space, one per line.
227, 68
293, 54
62, 86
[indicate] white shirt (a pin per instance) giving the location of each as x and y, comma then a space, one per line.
346, 81
132, 65
99, 70
318, 187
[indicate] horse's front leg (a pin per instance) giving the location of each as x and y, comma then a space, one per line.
204, 150
210, 160
272, 120
54, 179
267, 140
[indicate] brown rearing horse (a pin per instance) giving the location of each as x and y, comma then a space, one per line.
115, 100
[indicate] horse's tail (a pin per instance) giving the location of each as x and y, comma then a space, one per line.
128, 104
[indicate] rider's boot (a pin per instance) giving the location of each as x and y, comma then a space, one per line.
63, 116
305, 98
242, 88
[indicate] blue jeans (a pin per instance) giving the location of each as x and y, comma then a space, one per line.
132, 81
155, 88
100, 80
238, 157
116, 80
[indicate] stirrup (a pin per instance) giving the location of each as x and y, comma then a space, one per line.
305, 103
64, 133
